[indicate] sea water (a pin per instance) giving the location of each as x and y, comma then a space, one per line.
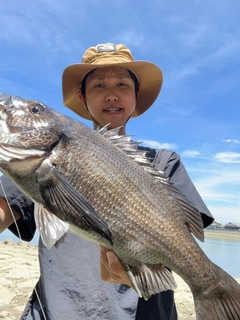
224, 253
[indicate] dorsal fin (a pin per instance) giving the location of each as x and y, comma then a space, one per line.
124, 142
195, 223
130, 147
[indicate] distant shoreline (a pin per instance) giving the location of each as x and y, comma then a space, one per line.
222, 234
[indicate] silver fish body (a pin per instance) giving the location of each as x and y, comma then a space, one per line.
81, 177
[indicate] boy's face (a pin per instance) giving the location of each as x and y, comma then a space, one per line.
110, 96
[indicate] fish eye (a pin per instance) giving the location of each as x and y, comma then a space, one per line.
36, 109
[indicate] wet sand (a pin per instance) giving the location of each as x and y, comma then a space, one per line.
19, 272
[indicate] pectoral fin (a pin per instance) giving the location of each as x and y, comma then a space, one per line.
50, 228
62, 199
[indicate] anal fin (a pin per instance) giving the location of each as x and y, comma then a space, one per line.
150, 279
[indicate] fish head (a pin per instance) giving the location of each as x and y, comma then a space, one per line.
28, 128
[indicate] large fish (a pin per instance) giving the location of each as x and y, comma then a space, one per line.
78, 176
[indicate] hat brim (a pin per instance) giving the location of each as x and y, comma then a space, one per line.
149, 76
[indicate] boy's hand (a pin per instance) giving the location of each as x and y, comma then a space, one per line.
111, 269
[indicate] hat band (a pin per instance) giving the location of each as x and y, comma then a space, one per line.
117, 58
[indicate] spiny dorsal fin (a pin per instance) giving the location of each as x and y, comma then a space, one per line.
124, 142
130, 148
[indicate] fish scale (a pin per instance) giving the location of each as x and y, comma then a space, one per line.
129, 196
106, 190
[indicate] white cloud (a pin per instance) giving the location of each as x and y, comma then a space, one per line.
225, 214
190, 153
158, 145
231, 140
196, 34
131, 38
211, 176
228, 157
219, 187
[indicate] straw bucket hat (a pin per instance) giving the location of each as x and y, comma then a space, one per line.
148, 74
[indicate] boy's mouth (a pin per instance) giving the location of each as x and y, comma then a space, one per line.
109, 110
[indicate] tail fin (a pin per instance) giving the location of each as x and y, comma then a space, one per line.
220, 303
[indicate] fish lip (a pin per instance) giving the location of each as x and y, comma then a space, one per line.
9, 153
3, 126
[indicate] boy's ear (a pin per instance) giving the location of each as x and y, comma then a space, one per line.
137, 95
81, 98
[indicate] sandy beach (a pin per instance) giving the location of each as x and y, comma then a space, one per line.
19, 270
222, 234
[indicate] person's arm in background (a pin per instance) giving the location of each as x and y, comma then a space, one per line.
6, 218
22, 207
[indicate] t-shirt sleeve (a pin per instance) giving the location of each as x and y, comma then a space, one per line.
175, 170
23, 206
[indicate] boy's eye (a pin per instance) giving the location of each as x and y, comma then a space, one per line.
122, 84
99, 85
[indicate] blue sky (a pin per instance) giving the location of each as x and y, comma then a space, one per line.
195, 43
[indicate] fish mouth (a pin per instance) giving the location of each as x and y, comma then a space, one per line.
3, 126
8, 153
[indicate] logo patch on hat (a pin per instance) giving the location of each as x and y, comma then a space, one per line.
106, 48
